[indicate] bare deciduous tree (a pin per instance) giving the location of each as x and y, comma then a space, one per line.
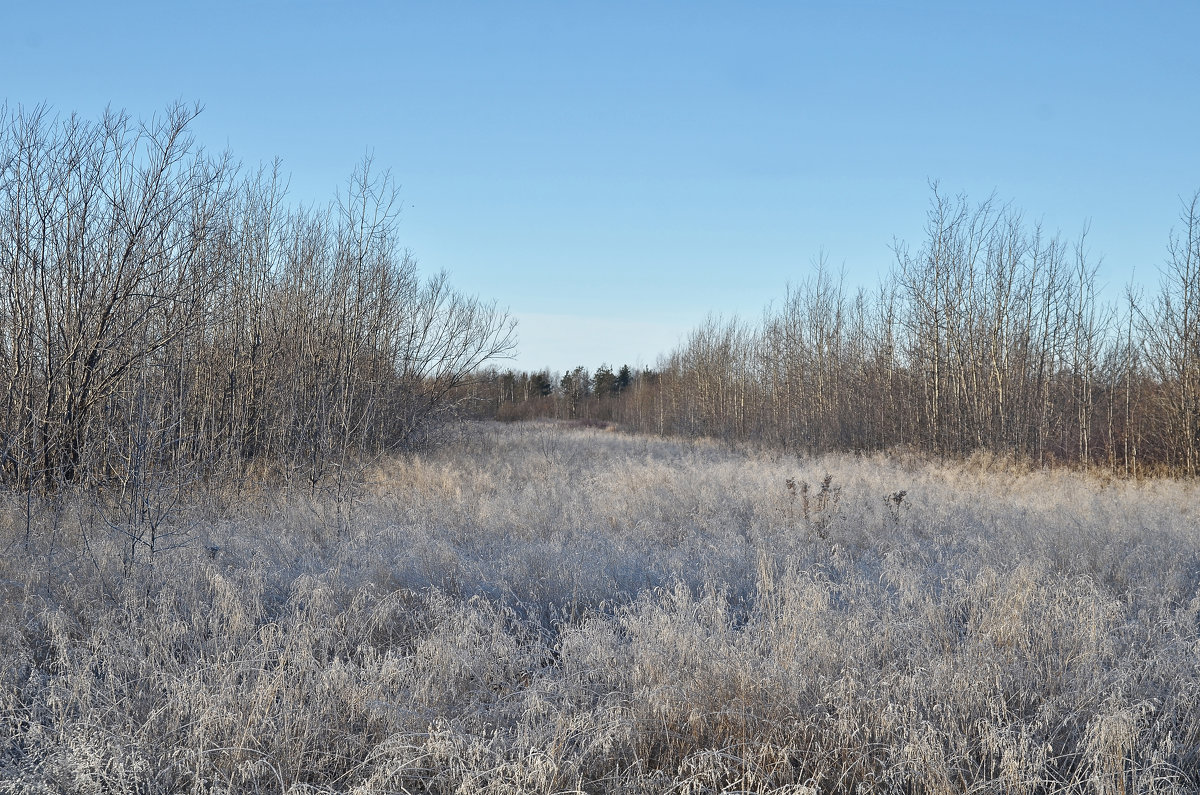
165, 317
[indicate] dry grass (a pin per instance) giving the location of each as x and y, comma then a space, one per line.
539, 609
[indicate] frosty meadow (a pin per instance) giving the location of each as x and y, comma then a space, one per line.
263, 534
539, 608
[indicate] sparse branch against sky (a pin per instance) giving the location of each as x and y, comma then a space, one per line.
611, 172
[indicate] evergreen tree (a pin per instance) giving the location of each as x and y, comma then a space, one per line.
604, 382
624, 379
541, 384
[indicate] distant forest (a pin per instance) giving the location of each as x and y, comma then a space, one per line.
989, 337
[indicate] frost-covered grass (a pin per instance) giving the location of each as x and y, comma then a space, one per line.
540, 609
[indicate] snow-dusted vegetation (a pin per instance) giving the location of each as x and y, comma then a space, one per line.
537, 608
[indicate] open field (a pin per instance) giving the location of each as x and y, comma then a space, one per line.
535, 608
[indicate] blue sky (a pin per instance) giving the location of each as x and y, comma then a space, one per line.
612, 172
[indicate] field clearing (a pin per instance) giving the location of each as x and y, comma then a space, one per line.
537, 608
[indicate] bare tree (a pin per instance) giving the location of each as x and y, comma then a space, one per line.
165, 318
1171, 330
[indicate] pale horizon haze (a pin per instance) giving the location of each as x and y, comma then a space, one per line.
611, 173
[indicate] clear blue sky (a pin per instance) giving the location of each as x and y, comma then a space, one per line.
611, 172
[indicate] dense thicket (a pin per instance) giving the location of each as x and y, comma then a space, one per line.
167, 316
990, 336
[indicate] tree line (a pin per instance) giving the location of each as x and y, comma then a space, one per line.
990, 336
169, 314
